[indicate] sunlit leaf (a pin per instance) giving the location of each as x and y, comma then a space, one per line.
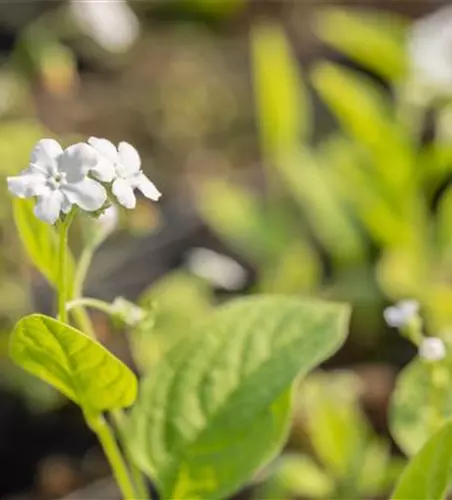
40, 241
373, 38
421, 403
72, 362
217, 407
282, 104
428, 473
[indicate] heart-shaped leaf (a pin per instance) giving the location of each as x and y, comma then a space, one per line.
428, 473
217, 406
40, 241
78, 366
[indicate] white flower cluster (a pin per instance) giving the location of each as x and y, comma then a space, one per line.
401, 314
79, 175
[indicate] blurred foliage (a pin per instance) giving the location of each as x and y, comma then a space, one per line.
343, 457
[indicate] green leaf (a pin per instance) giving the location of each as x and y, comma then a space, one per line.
40, 241
336, 426
372, 38
236, 215
417, 408
216, 408
75, 364
310, 186
282, 104
364, 112
428, 473
298, 475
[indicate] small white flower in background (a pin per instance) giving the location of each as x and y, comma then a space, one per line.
430, 50
220, 270
111, 23
122, 166
59, 180
432, 349
401, 313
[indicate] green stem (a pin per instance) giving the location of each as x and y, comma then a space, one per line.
89, 302
82, 269
114, 456
62, 266
141, 488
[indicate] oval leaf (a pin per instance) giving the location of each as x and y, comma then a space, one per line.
413, 411
217, 407
40, 241
75, 364
428, 473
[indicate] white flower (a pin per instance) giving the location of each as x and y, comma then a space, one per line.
402, 313
122, 166
220, 270
432, 349
128, 312
430, 50
112, 23
59, 179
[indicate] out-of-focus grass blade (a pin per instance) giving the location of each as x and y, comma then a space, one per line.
282, 105
372, 38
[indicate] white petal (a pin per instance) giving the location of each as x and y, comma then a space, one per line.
124, 193
27, 185
147, 187
88, 194
104, 170
77, 160
44, 155
49, 205
66, 205
129, 159
104, 147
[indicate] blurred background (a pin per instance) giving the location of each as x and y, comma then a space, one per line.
302, 147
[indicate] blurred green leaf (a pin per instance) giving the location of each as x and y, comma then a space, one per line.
237, 217
175, 301
421, 403
364, 112
335, 424
310, 186
225, 393
428, 473
373, 38
296, 269
40, 241
298, 475
79, 367
282, 105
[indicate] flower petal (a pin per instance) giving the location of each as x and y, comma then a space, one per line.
49, 205
88, 194
66, 205
104, 147
124, 193
129, 159
44, 155
77, 160
104, 170
27, 184
147, 187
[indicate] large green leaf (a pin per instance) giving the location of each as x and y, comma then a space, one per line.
372, 38
217, 407
421, 403
427, 476
282, 104
75, 364
40, 241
